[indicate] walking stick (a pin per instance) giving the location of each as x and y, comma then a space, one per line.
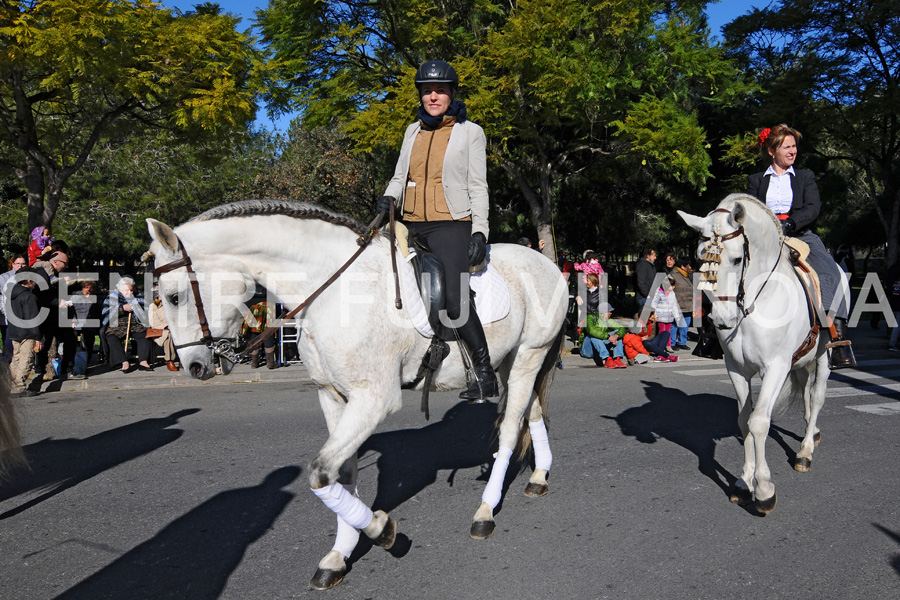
127, 335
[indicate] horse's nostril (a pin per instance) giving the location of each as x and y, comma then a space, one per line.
196, 370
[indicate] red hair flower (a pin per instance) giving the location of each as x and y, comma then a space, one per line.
763, 135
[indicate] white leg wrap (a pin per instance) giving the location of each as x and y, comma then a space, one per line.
347, 536
543, 458
494, 489
345, 505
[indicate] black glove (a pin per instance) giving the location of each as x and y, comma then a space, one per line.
477, 249
384, 204
788, 227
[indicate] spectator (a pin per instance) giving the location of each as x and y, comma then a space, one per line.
41, 245
670, 262
55, 298
644, 341
645, 273
15, 263
684, 294
260, 316
665, 305
157, 316
24, 331
602, 333
124, 318
86, 313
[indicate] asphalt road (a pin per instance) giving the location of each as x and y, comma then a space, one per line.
200, 492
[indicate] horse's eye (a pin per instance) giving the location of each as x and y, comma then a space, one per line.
173, 299
736, 261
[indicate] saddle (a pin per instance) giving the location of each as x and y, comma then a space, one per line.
809, 280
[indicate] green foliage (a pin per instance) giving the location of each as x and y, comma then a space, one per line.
77, 70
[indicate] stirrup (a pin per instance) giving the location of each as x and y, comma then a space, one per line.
482, 388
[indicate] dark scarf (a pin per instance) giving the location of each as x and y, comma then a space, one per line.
456, 109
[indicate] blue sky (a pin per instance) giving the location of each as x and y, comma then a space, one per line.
719, 14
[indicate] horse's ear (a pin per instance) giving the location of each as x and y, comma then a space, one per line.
162, 233
738, 213
692, 221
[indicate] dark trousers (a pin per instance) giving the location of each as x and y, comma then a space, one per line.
64, 336
449, 241
658, 344
829, 274
117, 351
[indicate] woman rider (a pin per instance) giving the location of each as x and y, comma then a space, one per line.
794, 198
440, 187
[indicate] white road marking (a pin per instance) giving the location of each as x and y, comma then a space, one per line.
888, 408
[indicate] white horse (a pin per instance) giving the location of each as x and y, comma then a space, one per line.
356, 345
762, 319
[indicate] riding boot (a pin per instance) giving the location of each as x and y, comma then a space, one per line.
485, 384
254, 359
842, 353
270, 358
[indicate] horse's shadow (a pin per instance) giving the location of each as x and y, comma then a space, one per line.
57, 465
694, 422
895, 559
410, 459
194, 555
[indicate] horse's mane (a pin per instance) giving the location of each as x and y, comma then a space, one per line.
745, 199
297, 210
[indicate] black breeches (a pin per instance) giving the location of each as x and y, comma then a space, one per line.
449, 241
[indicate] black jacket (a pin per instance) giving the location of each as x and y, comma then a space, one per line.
645, 273
806, 204
24, 305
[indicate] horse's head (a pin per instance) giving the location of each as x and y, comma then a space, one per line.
724, 250
203, 296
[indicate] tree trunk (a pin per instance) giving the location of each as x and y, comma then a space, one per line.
33, 181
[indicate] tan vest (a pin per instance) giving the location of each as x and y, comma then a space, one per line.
425, 199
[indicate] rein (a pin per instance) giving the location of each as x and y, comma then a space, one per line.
224, 346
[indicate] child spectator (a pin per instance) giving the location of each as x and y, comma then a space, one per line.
25, 333
665, 304
643, 342
601, 333
40, 246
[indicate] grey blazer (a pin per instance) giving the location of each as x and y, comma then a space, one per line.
464, 175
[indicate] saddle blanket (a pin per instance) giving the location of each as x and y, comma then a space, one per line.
491, 294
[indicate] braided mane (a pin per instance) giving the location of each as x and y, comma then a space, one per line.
297, 210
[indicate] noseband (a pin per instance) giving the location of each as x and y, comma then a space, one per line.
745, 258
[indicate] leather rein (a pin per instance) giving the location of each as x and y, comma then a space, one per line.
225, 347
739, 298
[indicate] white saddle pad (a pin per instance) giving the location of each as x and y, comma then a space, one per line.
491, 295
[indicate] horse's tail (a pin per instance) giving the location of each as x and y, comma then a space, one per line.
542, 384
11, 454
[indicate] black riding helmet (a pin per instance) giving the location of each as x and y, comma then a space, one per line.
437, 71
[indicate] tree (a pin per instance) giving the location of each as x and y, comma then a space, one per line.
75, 71
562, 87
832, 70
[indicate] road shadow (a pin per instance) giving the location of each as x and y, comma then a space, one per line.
410, 459
57, 465
694, 422
194, 556
895, 536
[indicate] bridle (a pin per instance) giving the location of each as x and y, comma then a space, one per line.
226, 347
745, 258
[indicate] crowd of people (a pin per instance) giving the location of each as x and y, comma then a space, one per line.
656, 328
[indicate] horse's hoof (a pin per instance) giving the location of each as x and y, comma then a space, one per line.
817, 437
766, 506
802, 464
325, 579
388, 534
536, 489
482, 530
740, 495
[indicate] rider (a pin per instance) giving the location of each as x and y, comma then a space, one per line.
794, 198
440, 186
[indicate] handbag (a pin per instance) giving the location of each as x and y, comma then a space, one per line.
153, 333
